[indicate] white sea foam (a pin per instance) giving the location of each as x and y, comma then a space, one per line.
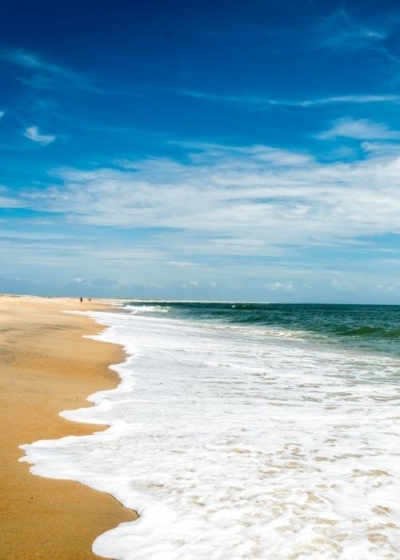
234, 445
147, 309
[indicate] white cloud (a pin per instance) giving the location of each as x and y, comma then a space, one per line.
280, 286
264, 101
183, 263
350, 99
342, 285
33, 133
253, 202
387, 287
42, 74
361, 129
29, 60
9, 202
341, 31
9, 199
80, 281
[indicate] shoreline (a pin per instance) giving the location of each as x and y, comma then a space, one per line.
48, 366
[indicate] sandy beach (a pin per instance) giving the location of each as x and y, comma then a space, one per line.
46, 367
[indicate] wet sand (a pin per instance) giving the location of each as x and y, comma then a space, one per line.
45, 367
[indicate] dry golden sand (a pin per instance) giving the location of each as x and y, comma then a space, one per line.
45, 367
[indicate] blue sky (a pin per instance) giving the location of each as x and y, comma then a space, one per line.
201, 150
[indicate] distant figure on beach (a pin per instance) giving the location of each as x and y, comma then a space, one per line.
81, 299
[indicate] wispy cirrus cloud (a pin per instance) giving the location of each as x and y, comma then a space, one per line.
342, 31
337, 30
32, 132
29, 60
350, 99
361, 129
42, 74
265, 101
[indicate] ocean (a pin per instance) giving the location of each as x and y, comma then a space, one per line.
244, 431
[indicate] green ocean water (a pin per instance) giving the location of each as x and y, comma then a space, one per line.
369, 327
